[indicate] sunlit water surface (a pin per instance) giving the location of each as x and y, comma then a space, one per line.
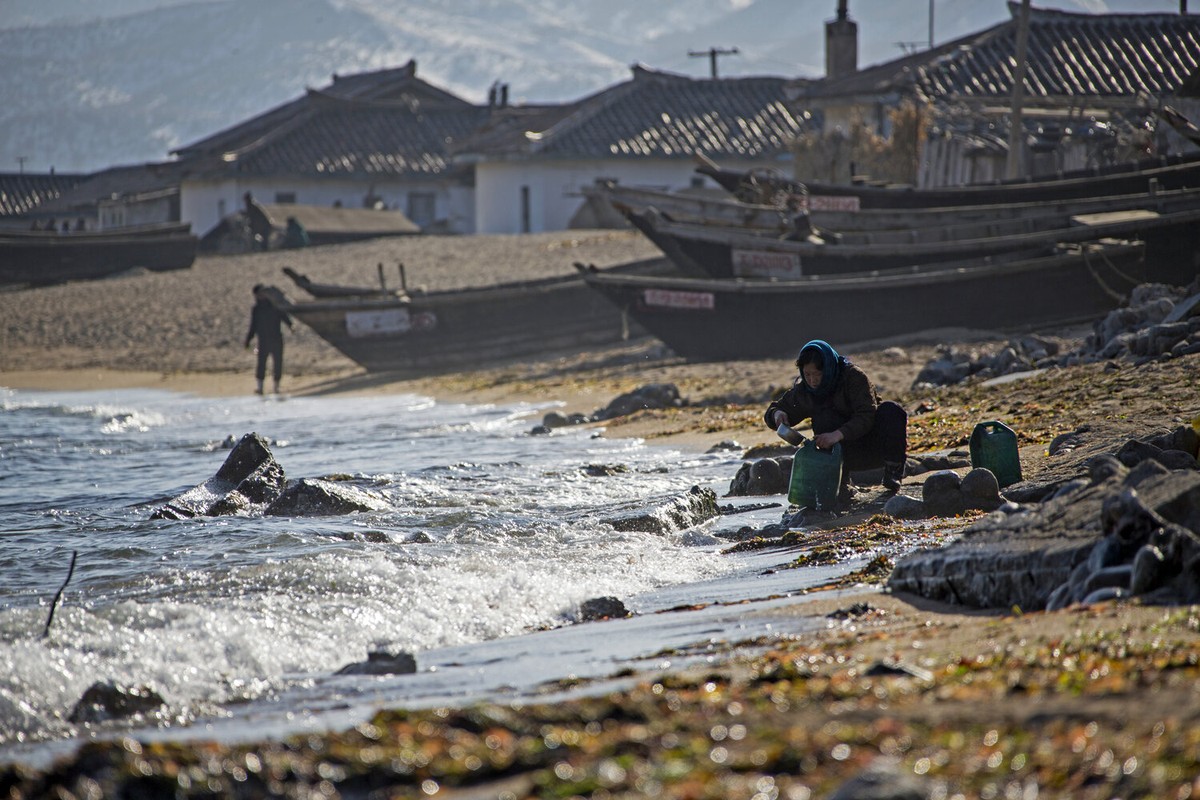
241, 622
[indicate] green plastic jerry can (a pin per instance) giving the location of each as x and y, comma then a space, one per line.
816, 477
994, 447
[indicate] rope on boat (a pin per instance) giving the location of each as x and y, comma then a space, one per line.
1117, 296
1131, 280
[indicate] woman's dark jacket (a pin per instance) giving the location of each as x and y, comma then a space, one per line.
849, 407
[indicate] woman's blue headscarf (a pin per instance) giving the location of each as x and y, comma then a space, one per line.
831, 367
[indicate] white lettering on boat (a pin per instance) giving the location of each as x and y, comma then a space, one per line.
829, 202
668, 298
763, 264
362, 324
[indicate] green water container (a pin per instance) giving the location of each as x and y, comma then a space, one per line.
816, 477
994, 448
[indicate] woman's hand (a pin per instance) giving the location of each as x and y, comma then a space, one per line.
825, 441
780, 418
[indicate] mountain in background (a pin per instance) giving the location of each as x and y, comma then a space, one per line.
87, 88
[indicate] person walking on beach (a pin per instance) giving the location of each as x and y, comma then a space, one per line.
266, 322
844, 407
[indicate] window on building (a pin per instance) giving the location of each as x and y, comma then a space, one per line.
285, 197
525, 210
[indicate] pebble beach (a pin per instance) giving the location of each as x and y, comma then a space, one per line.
925, 698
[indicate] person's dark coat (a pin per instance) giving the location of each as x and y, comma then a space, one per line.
874, 433
846, 400
266, 322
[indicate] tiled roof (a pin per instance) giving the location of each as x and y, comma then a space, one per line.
1074, 55
654, 114
350, 137
387, 122
114, 182
23, 193
1090, 56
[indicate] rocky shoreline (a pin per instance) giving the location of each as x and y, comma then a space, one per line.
937, 675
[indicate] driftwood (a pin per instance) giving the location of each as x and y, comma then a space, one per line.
58, 595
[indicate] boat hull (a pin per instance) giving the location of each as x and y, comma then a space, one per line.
702, 251
1169, 172
437, 332
720, 320
38, 259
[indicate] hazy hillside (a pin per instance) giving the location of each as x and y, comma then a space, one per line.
89, 85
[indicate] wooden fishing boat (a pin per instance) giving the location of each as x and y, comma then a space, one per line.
1165, 172
39, 258
717, 320
422, 333
698, 209
781, 220
327, 290
869, 220
708, 252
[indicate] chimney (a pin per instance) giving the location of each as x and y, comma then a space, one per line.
841, 44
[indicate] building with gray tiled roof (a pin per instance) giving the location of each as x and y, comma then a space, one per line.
375, 140
1092, 89
25, 198
532, 163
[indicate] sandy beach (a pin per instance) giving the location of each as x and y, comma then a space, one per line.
1086, 702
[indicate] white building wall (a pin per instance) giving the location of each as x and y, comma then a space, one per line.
204, 203
554, 188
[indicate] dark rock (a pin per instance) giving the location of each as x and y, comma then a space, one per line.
766, 477
851, 611
653, 395
382, 663
539, 430
104, 701
1065, 442
1119, 576
1134, 452
904, 507
602, 608
1184, 438
724, 446
313, 497
1176, 459
762, 476
1150, 570
1050, 555
604, 470
884, 779
1105, 466
939, 461
676, 514
980, 490
1105, 594
1070, 487
891, 667
941, 494
1150, 468
555, 419
249, 478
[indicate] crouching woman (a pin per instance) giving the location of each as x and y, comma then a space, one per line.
844, 407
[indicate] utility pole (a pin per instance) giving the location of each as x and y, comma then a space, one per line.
930, 24
712, 54
1016, 130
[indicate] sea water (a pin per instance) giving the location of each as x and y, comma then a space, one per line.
491, 539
